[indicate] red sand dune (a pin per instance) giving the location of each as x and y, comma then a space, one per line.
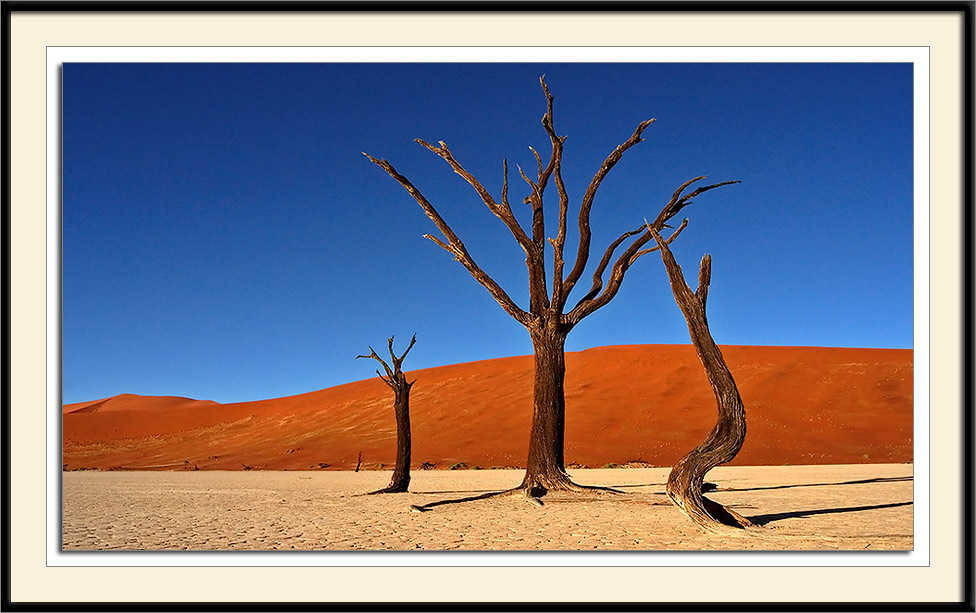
804, 405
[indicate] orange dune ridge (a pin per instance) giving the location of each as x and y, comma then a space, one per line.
643, 403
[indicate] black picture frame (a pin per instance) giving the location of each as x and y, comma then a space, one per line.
24, 570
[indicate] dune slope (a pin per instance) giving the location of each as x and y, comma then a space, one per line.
652, 403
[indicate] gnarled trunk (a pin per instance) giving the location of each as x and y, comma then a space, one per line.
545, 468
684, 486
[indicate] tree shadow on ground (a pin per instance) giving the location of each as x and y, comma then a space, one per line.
634, 485
581, 492
762, 520
781, 487
430, 505
432, 492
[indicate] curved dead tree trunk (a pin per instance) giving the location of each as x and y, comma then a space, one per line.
726, 438
548, 317
401, 408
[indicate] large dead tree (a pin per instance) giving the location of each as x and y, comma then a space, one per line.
548, 318
725, 439
401, 408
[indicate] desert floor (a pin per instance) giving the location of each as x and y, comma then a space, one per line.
830, 507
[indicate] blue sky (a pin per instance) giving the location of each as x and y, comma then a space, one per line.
224, 238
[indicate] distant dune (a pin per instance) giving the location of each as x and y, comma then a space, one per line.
646, 403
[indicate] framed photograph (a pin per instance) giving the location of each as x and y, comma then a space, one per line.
224, 222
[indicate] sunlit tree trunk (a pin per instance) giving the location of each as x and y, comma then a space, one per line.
684, 486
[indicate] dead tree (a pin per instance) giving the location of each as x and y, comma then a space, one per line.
548, 320
724, 441
401, 408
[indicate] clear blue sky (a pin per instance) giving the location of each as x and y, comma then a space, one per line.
224, 239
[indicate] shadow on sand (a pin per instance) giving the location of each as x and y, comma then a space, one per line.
430, 505
759, 520
762, 520
781, 487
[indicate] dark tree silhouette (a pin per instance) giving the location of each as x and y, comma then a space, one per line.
548, 320
401, 408
724, 441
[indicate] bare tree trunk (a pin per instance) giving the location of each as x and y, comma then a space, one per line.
545, 469
401, 472
684, 486
397, 381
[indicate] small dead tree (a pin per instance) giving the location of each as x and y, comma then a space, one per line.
548, 318
724, 441
401, 408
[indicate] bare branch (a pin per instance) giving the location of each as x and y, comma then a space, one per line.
390, 383
617, 272
448, 157
535, 199
386, 367
456, 246
398, 361
704, 279
533, 250
547, 124
441, 244
674, 235
389, 343
679, 285
583, 253
555, 169
559, 245
679, 202
607, 256
536, 194
538, 161
503, 213
604, 262
594, 300
505, 204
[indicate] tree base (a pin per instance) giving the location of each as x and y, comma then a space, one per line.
709, 515
396, 487
389, 490
537, 485
533, 489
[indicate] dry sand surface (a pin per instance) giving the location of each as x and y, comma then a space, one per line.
828, 507
804, 405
